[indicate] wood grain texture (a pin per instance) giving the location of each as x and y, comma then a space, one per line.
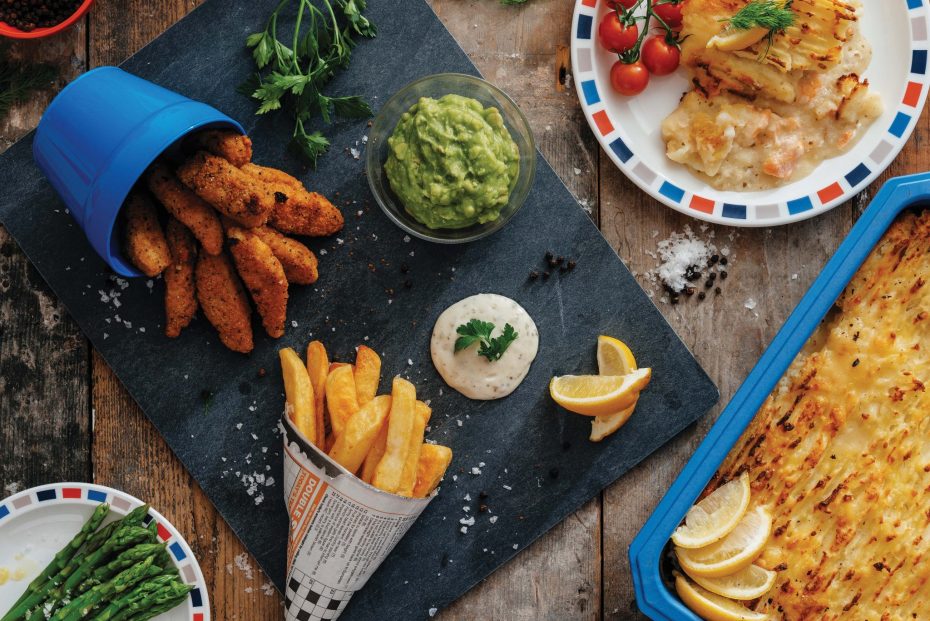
44, 396
517, 49
128, 452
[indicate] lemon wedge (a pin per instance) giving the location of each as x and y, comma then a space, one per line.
614, 357
598, 395
714, 517
712, 607
732, 553
746, 584
731, 39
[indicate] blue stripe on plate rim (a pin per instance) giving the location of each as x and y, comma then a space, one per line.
619, 149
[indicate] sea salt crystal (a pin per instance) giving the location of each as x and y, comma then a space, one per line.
238, 425
459, 423
515, 546
507, 487
475, 471
433, 611
469, 521
409, 362
467, 497
493, 519
463, 530
679, 252
577, 171
355, 152
750, 303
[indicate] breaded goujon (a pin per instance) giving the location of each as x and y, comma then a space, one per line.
144, 242
224, 301
298, 261
302, 212
187, 207
232, 146
180, 291
232, 192
263, 276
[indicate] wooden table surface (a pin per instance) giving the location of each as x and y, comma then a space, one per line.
64, 416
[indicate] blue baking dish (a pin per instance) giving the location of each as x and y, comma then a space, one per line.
646, 552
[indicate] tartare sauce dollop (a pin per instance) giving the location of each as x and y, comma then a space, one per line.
475, 376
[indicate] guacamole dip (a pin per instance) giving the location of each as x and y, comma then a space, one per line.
452, 162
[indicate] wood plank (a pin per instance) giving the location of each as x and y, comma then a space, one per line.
128, 452
522, 50
44, 378
774, 267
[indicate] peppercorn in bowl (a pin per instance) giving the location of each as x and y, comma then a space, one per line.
35, 19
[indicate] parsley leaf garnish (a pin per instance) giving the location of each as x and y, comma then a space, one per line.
477, 331
291, 73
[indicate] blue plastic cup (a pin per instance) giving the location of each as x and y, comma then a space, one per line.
99, 135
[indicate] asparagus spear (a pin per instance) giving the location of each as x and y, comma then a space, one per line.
134, 517
157, 609
126, 579
65, 554
155, 592
125, 559
77, 570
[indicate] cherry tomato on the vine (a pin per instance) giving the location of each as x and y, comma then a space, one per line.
629, 78
627, 4
669, 13
660, 56
616, 36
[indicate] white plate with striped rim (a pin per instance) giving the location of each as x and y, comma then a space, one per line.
36, 523
628, 128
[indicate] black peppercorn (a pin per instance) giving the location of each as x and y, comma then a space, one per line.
408, 284
702, 295
546, 275
723, 261
717, 291
534, 275
571, 265
723, 275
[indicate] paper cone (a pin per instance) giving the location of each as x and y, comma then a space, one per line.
340, 530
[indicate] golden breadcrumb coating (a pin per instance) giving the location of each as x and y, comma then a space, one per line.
224, 302
180, 291
301, 212
232, 146
187, 207
299, 262
263, 276
232, 192
144, 242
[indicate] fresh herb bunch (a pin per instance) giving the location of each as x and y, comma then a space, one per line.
773, 15
477, 331
18, 81
293, 75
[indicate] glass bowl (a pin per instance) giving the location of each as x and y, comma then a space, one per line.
436, 86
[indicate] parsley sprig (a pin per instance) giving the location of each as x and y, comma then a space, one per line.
477, 331
293, 75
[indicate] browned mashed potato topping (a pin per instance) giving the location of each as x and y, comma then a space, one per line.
762, 117
840, 451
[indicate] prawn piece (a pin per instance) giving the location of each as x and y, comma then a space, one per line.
144, 241
301, 212
232, 146
263, 276
299, 262
180, 292
224, 301
187, 207
235, 194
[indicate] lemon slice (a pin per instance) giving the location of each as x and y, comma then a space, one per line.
603, 426
614, 357
598, 395
712, 607
713, 518
732, 553
731, 39
744, 585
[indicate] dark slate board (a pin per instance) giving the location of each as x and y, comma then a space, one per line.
525, 442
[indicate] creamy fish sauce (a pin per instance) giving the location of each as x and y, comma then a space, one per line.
475, 376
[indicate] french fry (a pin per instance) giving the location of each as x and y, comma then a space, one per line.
341, 401
434, 459
299, 393
408, 478
367, 374
318, 368
400, 426
375, 454
362, 428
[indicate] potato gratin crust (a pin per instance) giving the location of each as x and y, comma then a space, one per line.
840, 451
765, 116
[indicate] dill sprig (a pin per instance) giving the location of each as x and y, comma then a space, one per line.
773, 15
18, 81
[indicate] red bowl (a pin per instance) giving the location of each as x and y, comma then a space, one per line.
15, 33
